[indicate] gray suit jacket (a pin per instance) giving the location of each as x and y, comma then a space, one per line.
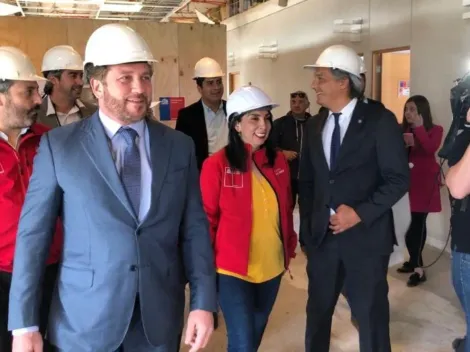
108, 255
86, 110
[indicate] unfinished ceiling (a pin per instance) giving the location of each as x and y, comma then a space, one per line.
151, 10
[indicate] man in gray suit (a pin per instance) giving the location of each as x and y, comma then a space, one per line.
62, 65
134, 227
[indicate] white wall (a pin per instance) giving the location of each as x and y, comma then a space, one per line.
439, 40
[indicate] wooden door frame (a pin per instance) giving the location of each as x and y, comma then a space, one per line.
230, 81
376, 90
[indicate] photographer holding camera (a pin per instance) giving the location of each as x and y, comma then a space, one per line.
458, 183
458, 179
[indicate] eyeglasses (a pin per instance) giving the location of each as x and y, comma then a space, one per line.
298, 94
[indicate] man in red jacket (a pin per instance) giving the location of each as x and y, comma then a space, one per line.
19, 139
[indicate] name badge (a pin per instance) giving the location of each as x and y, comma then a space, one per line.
233, 178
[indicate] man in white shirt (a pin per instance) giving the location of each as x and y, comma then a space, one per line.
205, 121
353, 169
63, 67
134, 227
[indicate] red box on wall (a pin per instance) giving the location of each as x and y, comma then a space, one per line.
169, 107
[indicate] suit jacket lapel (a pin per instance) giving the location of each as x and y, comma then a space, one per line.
86, 111
160, 152
96, 145
319, 139
48, 120
355, 125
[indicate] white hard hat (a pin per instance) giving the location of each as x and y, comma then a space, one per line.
16, 66
114, 44
362, 65
62, 57
207, 68
248, 98
338, 57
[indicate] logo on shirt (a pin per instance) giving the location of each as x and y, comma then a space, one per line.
279, 171
233, 178
2, 170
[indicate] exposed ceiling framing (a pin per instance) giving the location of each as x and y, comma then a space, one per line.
115, 10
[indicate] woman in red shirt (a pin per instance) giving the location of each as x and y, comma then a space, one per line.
422, 139
247, 197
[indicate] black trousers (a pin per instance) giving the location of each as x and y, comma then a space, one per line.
330, 268
49, 281
415, 238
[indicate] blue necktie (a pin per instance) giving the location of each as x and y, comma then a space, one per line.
130, 173
335, 141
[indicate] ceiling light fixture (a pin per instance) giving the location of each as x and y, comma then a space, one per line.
129, 7
113, 18
7, 9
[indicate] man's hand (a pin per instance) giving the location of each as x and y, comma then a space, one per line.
344, 219
28, 342
199, 329
289, 154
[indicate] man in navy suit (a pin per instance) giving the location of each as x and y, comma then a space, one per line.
134, 227
354, 168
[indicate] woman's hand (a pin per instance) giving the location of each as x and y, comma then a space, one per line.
417, 120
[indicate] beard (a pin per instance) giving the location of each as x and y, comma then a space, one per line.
76, 91
20, 117
130, 109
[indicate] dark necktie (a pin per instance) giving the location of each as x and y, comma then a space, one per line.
335, 141
131, 168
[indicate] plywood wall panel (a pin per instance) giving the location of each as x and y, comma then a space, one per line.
163, 39
177, 47
41, 34
78, 32
32, 36
9, 35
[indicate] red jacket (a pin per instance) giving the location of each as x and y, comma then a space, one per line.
16, 167
227, 200
425, 178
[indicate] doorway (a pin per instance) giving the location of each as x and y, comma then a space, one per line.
391, 78
233, 81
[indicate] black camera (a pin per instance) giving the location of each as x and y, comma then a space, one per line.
459, 103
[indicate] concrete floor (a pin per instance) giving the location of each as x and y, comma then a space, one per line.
423, 319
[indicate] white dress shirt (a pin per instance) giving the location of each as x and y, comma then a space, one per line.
73, 115
344, 120
217, 128
117, 149
5, 137
327, 133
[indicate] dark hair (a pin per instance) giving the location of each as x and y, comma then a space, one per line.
199, 81
354, 82
300, 94
235, 150
49, 87
424, 109
97, 72
5, 85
